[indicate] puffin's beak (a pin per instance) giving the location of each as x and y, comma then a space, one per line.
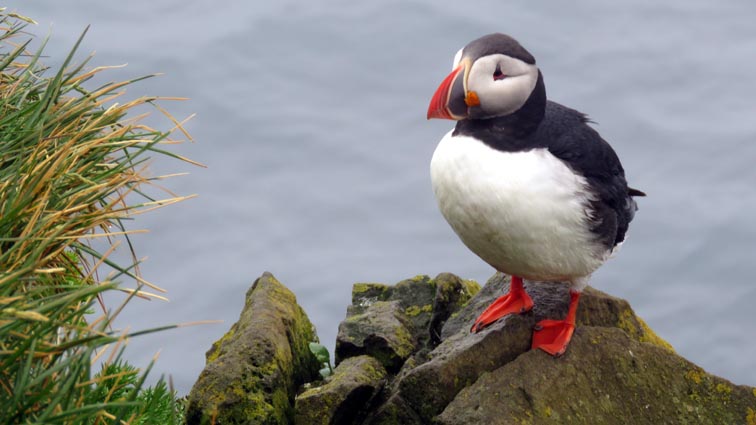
451, 99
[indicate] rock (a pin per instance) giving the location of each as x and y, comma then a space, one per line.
464, 318
253, 372
395, 411
405, 355
345, 397
366, 294
381, 331
606, 377
390, 323
458, 362
431, 383
451, 293
551, 301
415, 296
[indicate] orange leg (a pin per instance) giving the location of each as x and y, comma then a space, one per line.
553, 336
516, 301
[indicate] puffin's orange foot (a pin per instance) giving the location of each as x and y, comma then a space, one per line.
516, 301
553, 336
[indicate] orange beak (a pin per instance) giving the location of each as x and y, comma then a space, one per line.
439, 104
452, 100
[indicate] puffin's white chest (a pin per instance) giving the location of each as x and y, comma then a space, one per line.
524, 213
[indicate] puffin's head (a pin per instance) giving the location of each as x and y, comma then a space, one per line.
493, 76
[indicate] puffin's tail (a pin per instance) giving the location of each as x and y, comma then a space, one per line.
635, 192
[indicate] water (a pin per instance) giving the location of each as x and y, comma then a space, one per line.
311, 119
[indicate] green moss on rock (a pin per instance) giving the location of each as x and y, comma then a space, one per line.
750, 416
414, 336
620, 381
392, 334
253, 371
470, 287
639, 330
649, 336
345, 397
452, 294
215, 351
413, 310
381, 332
373, 290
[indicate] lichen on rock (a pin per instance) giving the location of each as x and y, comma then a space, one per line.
619, 381
253, 371
390, 323
381, 331
345, 397
405, 355
452, 293
615, 367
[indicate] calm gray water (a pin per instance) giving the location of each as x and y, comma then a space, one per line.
311, 119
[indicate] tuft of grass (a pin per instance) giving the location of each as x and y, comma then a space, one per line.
121, 381
72, 172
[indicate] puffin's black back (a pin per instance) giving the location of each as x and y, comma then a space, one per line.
567, 135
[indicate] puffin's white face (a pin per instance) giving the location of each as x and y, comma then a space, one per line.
487, 81
502, 84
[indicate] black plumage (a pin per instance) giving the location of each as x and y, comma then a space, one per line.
498, 43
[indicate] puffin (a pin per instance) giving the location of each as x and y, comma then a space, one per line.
526, 183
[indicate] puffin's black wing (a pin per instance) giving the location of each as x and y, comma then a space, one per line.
582, 148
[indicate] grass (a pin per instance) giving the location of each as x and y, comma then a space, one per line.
73, 170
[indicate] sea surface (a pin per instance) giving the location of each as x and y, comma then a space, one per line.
310, 117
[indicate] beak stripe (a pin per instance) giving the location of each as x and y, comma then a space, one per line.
438, 107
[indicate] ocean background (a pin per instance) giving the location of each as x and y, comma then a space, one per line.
310, 117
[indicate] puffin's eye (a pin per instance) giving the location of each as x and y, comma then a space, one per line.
498, 75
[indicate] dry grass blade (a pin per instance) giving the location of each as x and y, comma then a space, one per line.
72, 171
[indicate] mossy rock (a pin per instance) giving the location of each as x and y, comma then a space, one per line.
615, 371
395, 411
345, 397
391, 323
429, 381
382, 331
452, 293
366, 294
606, 377
458, 361
415, 296
253, 371
551, 299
